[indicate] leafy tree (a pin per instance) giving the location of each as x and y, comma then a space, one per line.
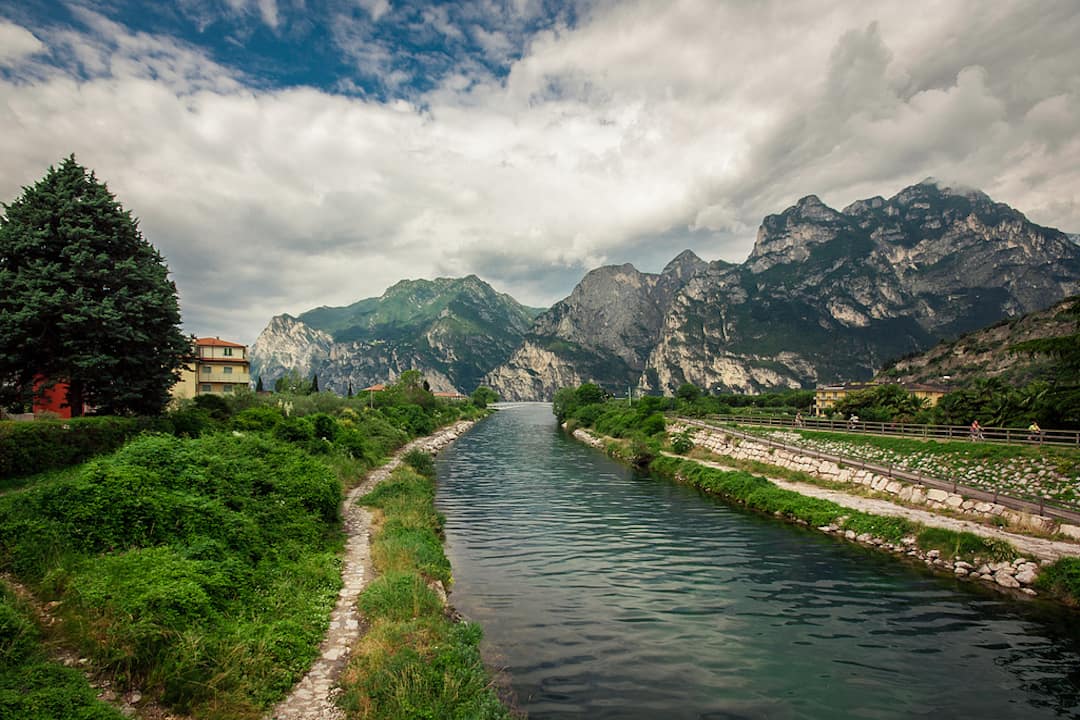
888, 402
291, 382
483, 395
85, 298
589, 393
688, 392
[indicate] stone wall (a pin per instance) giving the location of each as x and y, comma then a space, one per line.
742, 448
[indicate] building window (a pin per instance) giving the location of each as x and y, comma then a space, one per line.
227, 370
206, 369
226, 388
228, 352
204, 388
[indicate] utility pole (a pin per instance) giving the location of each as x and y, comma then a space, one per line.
630, 395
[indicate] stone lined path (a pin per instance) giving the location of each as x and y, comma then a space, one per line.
1041, 548
314, 696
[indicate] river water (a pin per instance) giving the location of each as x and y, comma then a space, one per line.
604, 593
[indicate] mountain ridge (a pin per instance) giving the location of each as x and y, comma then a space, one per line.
824, 295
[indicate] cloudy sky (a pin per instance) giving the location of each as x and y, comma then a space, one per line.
286, 154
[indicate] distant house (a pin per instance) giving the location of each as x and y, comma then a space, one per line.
826, 396
219, 367
451, 396
379, 387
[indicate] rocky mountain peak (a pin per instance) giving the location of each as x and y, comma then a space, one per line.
685, 264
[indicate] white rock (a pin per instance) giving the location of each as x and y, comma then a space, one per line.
1006, 580
1027, 577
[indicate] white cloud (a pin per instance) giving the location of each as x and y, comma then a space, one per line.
683, 121
377, 8
17, 43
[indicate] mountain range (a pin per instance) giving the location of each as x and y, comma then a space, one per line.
825, 295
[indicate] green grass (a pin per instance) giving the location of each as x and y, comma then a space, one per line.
414, 662
1062, 579
1049, 473
759, 494
31, 686
200, 570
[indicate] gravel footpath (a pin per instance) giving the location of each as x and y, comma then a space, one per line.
314, 696
1041, 548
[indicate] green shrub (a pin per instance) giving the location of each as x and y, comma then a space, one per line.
1062, 578
190, 421
421, 462
27, 448
262, 417
216, 405
682, 442
295, 430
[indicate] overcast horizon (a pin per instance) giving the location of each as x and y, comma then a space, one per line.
288, 154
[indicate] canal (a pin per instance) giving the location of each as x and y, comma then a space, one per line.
604, 593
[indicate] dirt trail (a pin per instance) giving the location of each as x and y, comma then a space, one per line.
314, 696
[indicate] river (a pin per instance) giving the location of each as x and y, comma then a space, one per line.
605, 593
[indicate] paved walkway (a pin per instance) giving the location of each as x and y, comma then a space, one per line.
314, 696
1041, 548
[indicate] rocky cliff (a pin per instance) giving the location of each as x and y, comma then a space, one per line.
986, 352
451, 329
825, 295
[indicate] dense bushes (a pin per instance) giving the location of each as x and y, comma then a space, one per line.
203, 566
32, 447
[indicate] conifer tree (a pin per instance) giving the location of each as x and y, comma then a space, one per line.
259, 384
86, 299
315, 383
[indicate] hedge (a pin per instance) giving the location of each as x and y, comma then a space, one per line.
27, 448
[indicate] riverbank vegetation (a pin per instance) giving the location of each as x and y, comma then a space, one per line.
414, 661
200, 566
759, 494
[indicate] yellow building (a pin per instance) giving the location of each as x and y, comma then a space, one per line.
219, 367
826, 396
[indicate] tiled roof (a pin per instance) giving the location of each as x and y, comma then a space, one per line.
217, 342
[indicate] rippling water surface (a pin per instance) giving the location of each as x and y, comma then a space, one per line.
606, 594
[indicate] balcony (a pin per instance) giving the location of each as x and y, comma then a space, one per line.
236, 378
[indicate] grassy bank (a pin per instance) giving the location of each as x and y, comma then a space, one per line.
32, 687
759, 494
201, 571
414, 661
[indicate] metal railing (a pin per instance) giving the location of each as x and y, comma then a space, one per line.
1031, 504
1015, 436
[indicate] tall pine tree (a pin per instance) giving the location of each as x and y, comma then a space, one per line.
86, 300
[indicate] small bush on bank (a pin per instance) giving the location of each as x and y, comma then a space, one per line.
1062, 578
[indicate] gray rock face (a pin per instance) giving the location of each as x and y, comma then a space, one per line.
824, 296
